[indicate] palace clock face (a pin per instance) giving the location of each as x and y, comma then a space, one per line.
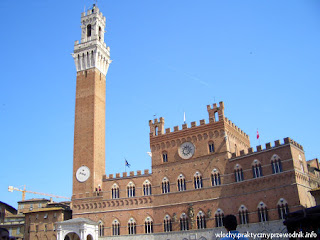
83, 173
186, 150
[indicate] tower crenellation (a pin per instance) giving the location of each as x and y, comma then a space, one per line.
236, 128
216, 112
92, 51
132, 174
268, 146
156, 127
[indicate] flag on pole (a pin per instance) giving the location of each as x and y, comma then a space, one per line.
184, 117
258, 136
126, 163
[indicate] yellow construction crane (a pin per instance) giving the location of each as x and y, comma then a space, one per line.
24, 191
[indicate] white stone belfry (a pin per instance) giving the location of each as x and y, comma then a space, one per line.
92, 51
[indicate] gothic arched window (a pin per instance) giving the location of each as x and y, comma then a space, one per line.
211, 147
115, 191
256, 169
262, 212
101, 229
276, 164
100, 33
148, 225
115, 227
215, 178
164, 156
131, 226
243, 215
238, 173
283, 208
197, 179
165, 185
167, 224
131, 190
146, 188
184, 223
89, 30
201, 220
181, 183
219, 215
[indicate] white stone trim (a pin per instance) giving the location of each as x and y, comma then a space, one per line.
92, 52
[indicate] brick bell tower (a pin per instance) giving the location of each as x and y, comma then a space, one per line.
92, 59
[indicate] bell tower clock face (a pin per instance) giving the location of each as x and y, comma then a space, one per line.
186, 150
83, 173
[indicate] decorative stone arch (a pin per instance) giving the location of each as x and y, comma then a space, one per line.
132, 220
205, 136
131, 183
216, 133
89, 237
77, 229
243, 208
71, 236
147, 181
237, 166
261, 205
181, 176
194, 139
275, 157
115, 185
116, 221
255, 162
282, 201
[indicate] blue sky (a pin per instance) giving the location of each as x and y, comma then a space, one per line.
169, 57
